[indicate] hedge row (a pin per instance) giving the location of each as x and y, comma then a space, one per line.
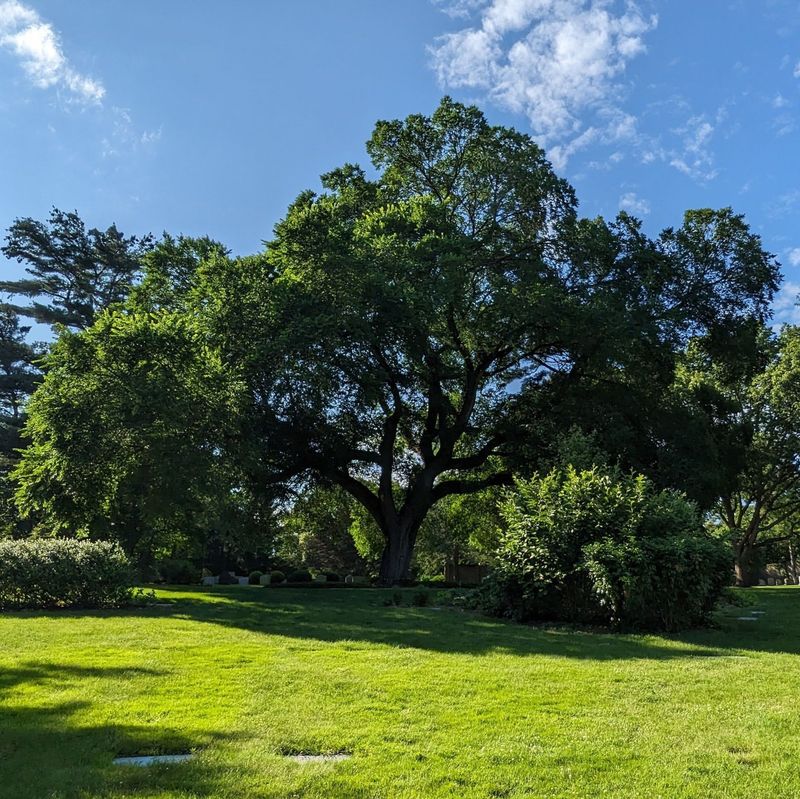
63, 573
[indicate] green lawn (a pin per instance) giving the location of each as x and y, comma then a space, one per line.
431, 703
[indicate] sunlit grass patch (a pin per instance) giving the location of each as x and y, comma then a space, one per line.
425, 703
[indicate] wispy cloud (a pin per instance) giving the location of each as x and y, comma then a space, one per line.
686, 146
557, 61
634, 204
783, 121
696, 158
38, 48
459, 8
784, 204
125, 137
793, 256
785, 305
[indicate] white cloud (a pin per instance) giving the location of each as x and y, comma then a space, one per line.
124, 137
796, 70
696, 159
37, 46
634, 204
785, 305
459, 8
794, 256
784, 125
784, 204
557, 61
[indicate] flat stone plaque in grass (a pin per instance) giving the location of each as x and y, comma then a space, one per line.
151, 760
318, 758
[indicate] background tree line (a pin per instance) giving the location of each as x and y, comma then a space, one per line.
410, 341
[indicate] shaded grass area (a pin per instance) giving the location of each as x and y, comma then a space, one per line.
430, 703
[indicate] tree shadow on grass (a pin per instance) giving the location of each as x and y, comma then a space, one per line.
49, 750
359, 615
36, 672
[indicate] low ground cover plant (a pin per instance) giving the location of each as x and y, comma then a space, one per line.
63, 573
602, 547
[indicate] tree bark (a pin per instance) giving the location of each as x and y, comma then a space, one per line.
793, 564
746, 565
397, 552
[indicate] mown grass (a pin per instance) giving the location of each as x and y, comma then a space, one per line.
431, 703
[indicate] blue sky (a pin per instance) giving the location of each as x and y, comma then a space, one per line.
203, 117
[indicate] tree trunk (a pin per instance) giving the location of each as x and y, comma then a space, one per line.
397, 551
746, 565
793, 564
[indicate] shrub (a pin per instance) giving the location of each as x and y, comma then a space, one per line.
255, 577
276, 576
420, 599
299, 576
332, 577
659, 583
178, 571
457, 598
603, 547
226, 578
63, 573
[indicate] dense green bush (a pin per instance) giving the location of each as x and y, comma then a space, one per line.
659, 583
299, 576
255, 577
603, 547
276, 577
178, 571
63, 573
332, 577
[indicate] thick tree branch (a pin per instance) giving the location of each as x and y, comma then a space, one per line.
478, 458
448, 487
358, 490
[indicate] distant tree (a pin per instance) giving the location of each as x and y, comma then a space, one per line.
316, 532
762, 504
125, 433
412, 330
19, 376
170, 271
462, 528
74, 273
681, 434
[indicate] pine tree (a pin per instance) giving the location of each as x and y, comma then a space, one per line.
19, 376
74, 273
